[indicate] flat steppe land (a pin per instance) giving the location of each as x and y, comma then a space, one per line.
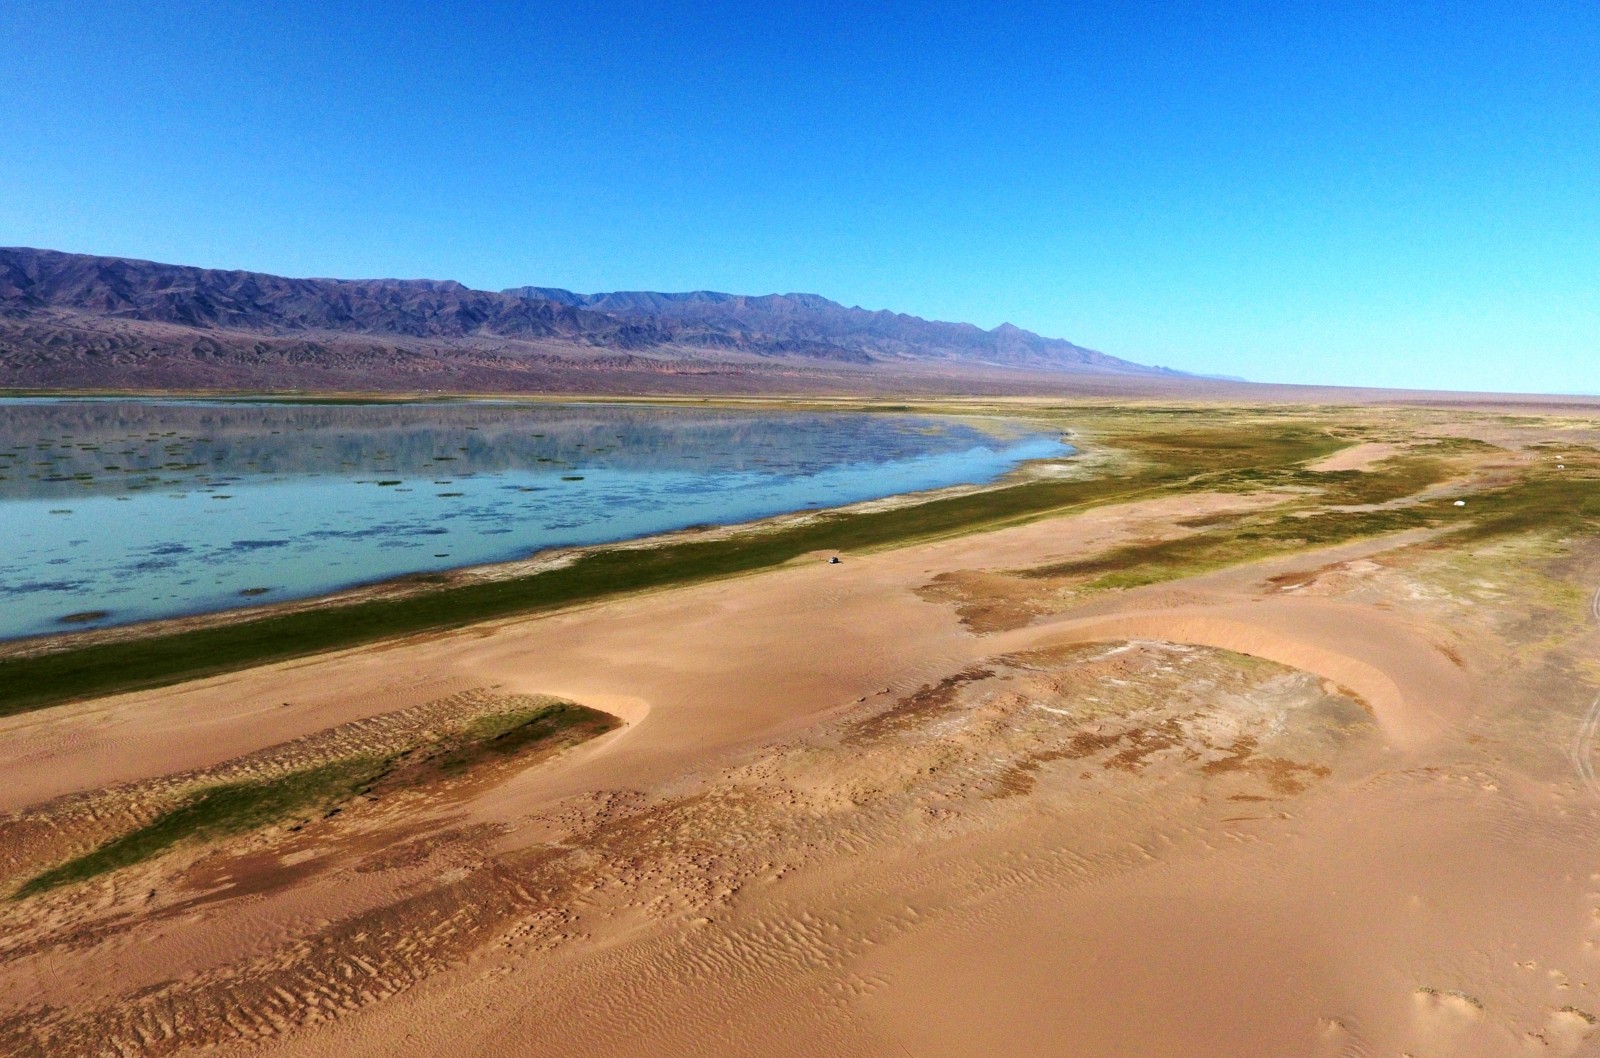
1252, 730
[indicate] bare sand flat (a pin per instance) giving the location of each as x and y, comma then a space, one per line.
928, 801
1356, 457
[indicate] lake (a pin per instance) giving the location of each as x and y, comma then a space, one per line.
114, 511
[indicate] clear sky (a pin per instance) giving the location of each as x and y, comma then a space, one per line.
1402, 194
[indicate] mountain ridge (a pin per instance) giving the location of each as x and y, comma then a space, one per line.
80, 320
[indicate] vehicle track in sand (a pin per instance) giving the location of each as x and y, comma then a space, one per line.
1581, 751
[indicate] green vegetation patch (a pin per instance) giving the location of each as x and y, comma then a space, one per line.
1140, 564
1548, 501
229, 809
1545, 501
218, 812
1231, 539
1391, 479
505, 735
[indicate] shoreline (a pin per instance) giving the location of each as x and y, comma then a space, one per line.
39, 672
1069, 389
542, 559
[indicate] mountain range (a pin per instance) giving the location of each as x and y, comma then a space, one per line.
85, 322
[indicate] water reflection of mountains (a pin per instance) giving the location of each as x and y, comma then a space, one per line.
59, 448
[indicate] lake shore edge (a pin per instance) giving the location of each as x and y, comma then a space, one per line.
41, 671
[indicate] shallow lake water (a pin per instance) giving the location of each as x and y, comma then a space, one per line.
114, 511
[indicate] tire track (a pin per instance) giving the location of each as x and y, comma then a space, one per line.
1581, 751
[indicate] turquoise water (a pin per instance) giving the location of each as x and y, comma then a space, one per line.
114, 511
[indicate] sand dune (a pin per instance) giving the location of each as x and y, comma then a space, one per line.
1411, 686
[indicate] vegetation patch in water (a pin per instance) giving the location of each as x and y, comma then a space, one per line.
84, 617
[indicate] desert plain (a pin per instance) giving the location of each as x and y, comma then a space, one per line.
1246, 730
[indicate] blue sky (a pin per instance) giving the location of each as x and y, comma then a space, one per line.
1372, 194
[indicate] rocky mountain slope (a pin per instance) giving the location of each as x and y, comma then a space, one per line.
71, 320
